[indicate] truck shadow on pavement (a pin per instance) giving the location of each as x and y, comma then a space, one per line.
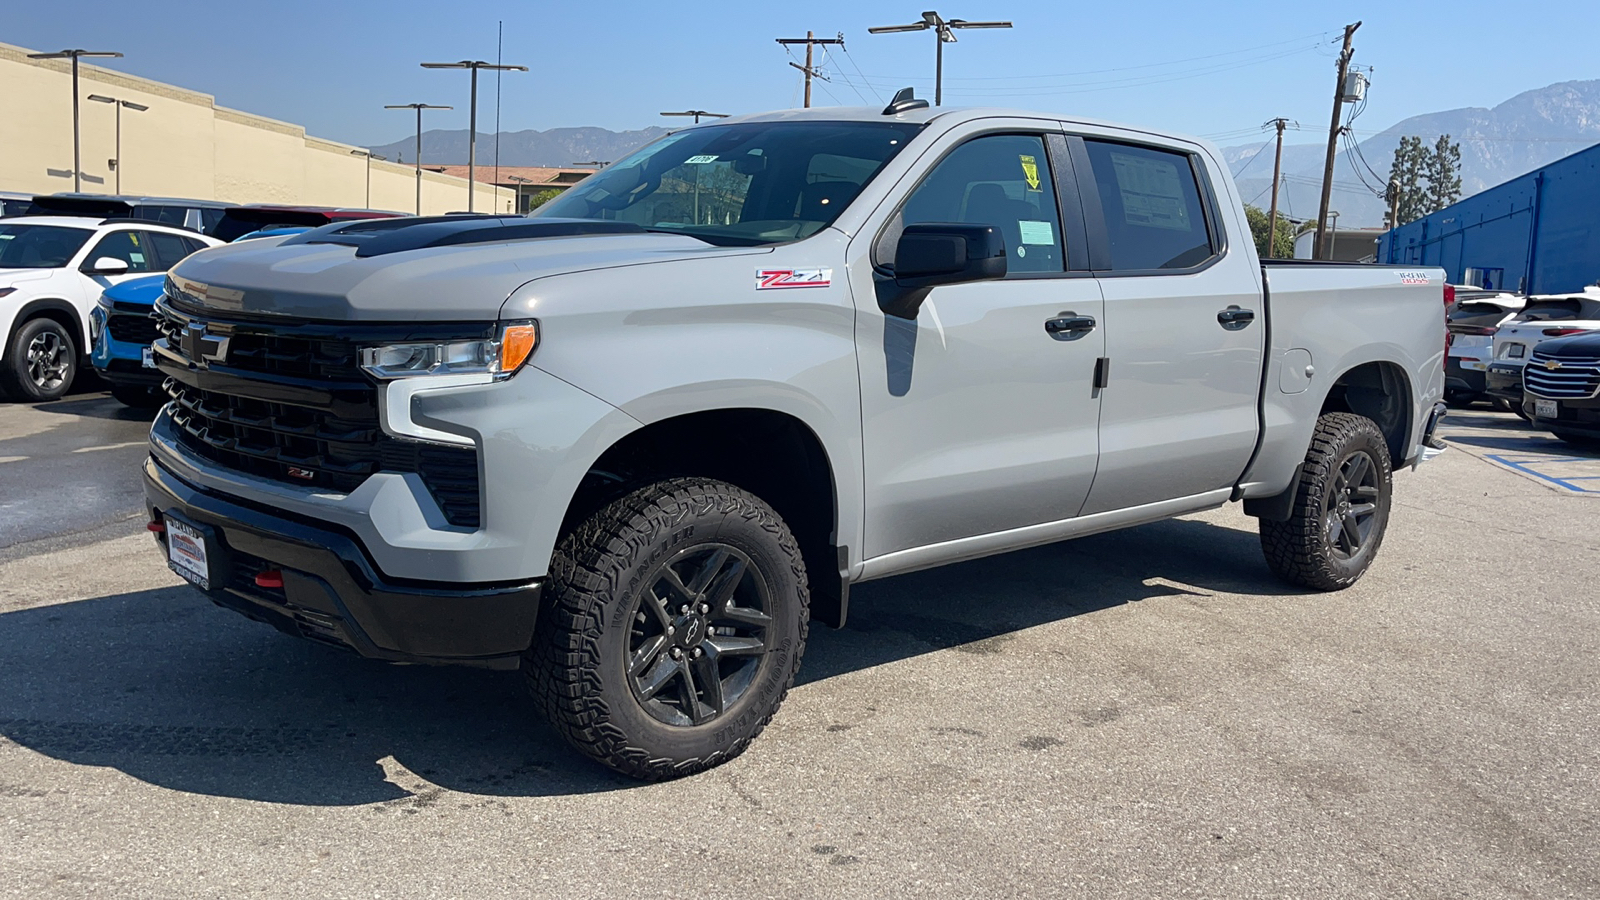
163, 686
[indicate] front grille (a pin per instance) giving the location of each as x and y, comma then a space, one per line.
132, 329
1574, 379
296, 408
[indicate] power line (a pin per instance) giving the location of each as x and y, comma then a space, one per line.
852, 59
810, 40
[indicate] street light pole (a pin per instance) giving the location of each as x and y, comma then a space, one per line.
419, 107
75, 55
370, 157
944, 33
119, 104
472, 133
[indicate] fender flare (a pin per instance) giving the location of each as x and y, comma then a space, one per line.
33, 308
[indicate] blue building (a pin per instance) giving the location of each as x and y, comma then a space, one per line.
1539, 233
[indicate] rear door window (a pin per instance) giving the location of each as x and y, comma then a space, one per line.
168, 248
1154, 216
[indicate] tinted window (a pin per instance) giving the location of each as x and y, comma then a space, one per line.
210, 219
193, 245
750, 183
1001, 180
1154, 217
168, 248
166, 215
128, 246
39, 246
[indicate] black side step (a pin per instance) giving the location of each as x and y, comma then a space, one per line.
378, 237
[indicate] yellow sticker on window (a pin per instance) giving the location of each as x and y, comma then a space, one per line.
1030, 172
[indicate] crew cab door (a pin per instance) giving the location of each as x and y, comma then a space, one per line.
1184, 323
980, 415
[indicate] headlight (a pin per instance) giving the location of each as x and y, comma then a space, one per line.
500, 356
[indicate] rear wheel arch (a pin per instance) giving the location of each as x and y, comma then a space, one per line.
1380, 391
772, 454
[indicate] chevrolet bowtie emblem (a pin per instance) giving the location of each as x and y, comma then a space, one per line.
203, 347
1552, 364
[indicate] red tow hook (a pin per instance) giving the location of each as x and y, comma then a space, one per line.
271, 578
157, 527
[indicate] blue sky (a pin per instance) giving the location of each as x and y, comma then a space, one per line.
1209, 69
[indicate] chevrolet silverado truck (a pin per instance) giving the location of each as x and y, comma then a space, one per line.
635, 443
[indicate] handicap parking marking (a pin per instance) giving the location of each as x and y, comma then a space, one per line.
1574, 474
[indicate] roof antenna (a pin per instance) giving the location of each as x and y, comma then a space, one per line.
902, 102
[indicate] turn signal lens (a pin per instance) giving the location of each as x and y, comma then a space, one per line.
516, 345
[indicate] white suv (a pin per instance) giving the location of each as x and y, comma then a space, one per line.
1545, 316
52, 270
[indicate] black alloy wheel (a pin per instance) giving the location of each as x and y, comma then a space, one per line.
1350, 508
699, 632
40, 362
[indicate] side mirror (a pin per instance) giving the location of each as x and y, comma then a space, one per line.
936, 253
108, 265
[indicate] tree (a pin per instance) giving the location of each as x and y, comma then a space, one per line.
1444, 174
1426, 179
541, 198
1406, 174
1258, 228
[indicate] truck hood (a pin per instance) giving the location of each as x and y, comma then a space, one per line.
450, 283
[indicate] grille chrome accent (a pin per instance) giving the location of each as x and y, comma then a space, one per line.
1574, 379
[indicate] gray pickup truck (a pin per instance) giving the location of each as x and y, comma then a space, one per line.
637, 442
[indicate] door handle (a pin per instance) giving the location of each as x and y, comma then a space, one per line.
1069, 326
1233, 318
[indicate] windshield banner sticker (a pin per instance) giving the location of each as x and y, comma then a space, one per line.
1030, 171
700, 160
783, 279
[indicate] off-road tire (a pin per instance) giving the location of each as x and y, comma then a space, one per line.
601, 574
138, 396
1304, 549
16, 382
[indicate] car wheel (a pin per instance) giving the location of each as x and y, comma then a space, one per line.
1341, 508
138, 396
672, 625
40, 362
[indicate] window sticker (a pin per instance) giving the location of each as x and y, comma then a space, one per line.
700, 160
1037, 233
136, 258
1152, 194
1030, 172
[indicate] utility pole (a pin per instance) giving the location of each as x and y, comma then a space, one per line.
810, 40
75, 55
419, 107
944, 33
1320, 248
1391, 193
472, 132
1280, 124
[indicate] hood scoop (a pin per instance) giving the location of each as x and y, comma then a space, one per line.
380, 237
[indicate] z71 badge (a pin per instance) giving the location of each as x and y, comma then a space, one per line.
783, 279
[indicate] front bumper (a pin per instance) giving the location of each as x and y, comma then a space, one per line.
1578, 417
1504, 380
332, 592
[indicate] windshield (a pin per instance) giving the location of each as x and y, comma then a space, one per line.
745, 184
39, 246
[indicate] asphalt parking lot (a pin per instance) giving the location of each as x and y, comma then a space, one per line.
1140, 714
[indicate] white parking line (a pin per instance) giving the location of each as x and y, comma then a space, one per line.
6, 459
110, 446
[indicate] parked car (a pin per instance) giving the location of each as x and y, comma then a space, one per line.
241, 220
13, 204
1562, 380
52, 270
195, 215
635, 443
1544, 317
1472, 320
122, 331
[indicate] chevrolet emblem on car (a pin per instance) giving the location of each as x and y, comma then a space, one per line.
1552, 364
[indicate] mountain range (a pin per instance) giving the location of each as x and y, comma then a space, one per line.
555, 147
1499, 143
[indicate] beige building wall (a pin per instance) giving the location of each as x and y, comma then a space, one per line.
187, 146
